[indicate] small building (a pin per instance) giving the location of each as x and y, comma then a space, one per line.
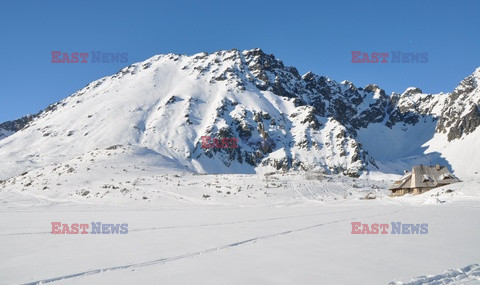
421, 179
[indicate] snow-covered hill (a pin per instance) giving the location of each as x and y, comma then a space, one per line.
284, 121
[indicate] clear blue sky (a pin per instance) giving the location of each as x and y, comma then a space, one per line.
310, 35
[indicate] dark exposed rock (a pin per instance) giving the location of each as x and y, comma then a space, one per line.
465, 125
18, 124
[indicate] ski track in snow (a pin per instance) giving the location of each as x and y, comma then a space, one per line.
198, 253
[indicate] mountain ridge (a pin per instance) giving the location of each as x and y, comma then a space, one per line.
309, 122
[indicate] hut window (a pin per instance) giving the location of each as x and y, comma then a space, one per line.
426, 178
446, 176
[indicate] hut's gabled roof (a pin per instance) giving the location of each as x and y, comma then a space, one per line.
403, 182
425, 177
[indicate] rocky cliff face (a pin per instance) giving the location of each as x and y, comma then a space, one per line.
460, 114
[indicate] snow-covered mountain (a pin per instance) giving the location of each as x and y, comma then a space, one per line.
283, 120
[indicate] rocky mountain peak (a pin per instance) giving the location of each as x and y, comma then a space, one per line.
412, 91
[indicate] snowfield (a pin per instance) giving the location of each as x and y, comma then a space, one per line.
277, 228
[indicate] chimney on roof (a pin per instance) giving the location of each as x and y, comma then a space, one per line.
437, 167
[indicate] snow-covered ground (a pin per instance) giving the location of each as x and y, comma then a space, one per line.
184, 228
